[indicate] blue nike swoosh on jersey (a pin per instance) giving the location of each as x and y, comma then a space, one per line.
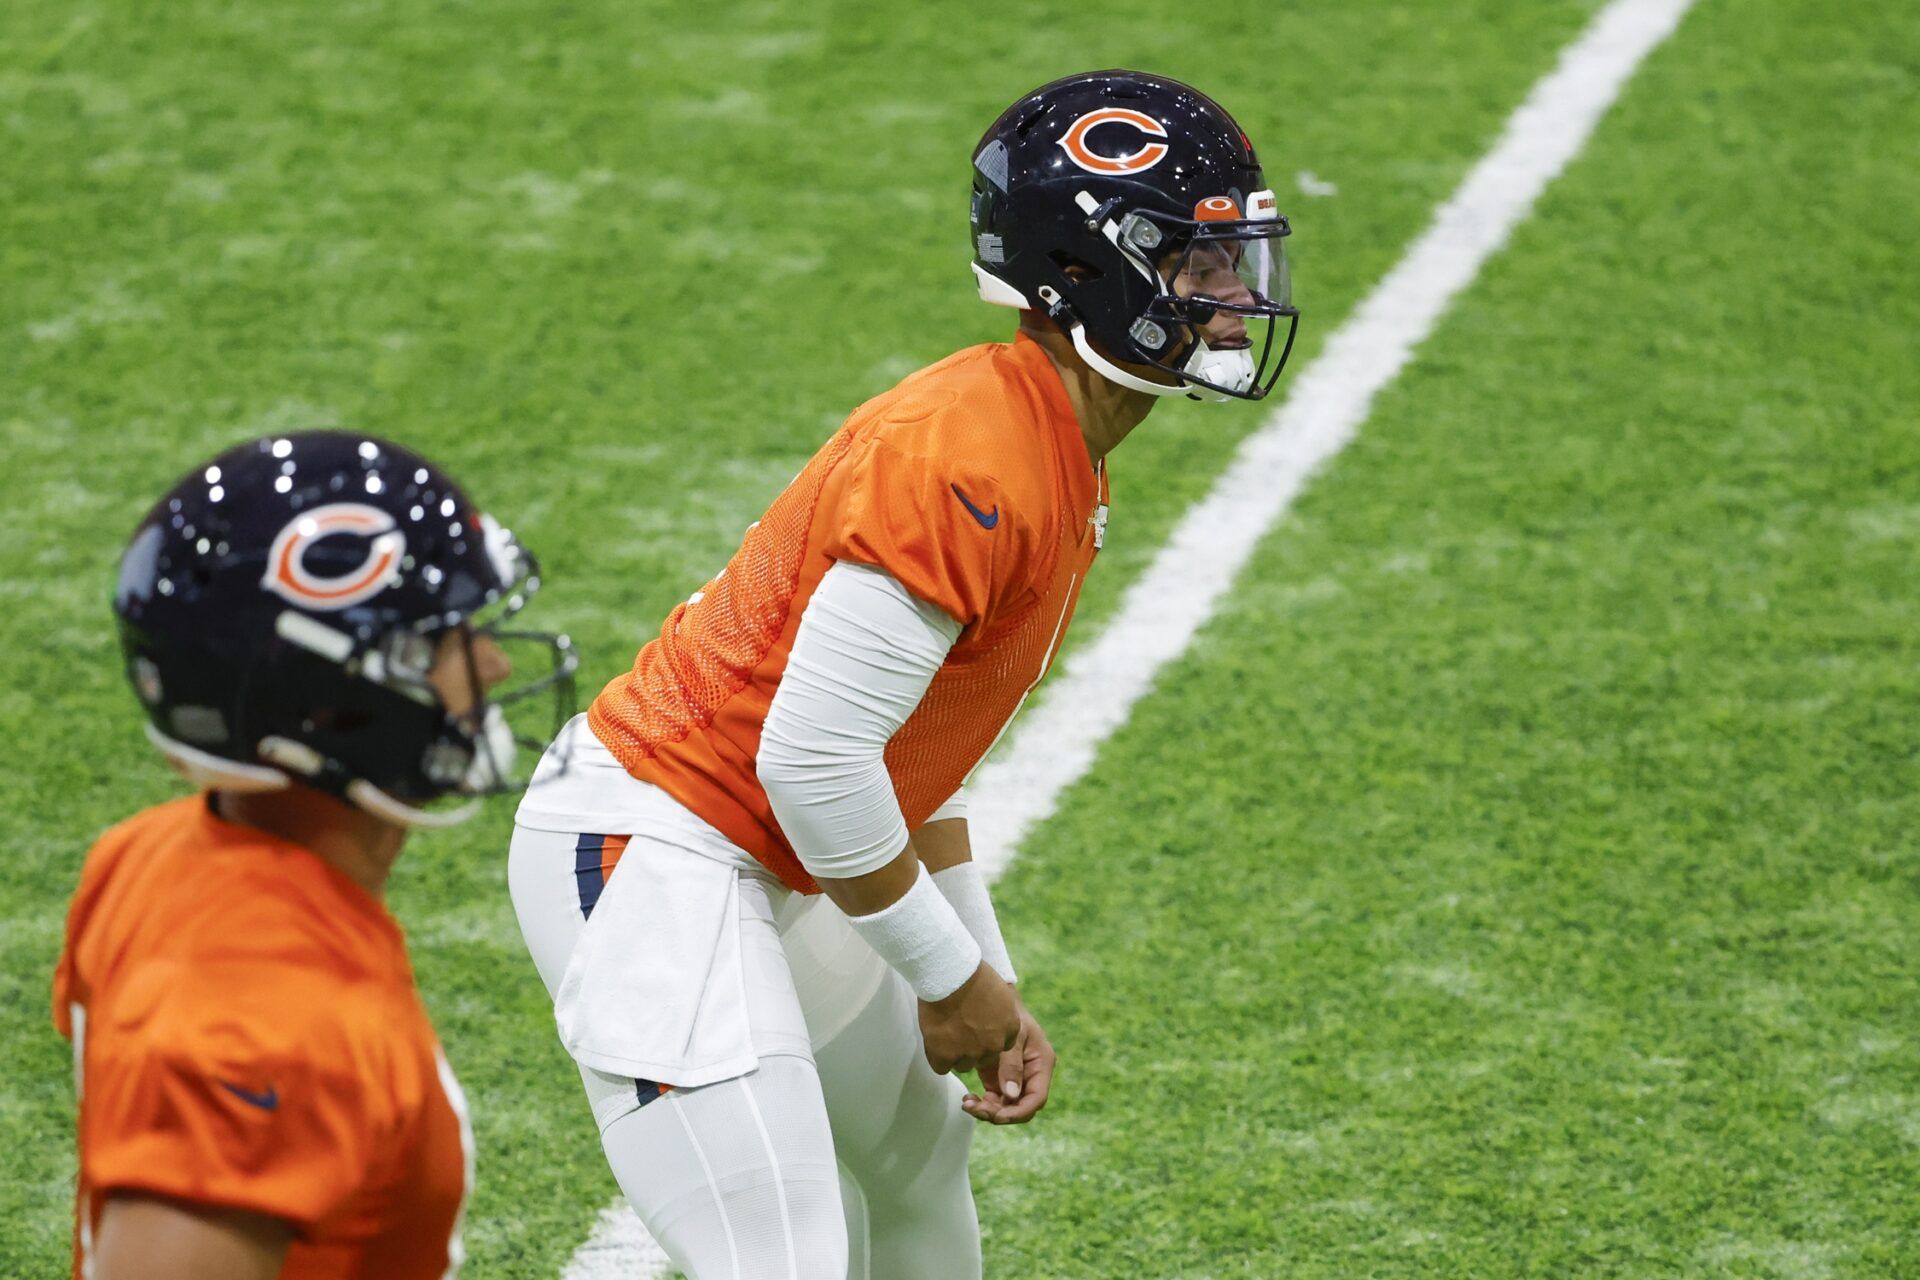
986, 521
265, 1101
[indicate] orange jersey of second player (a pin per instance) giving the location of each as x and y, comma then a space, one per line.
969, 483
248, 1034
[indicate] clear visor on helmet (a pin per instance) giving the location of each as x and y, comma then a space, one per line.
1238, 266
1224, 319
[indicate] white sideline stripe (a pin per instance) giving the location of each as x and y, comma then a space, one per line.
1057, 738
619, 1248
1098, 686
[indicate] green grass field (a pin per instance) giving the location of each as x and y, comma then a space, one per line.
1518, 879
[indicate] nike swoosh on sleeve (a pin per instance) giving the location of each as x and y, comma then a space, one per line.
986, 521
266, 1101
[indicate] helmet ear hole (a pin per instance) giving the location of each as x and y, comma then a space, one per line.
337, 720
1078, 270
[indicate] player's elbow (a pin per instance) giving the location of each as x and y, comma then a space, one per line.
834, 803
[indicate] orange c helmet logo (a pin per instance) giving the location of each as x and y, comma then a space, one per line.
287, 572
1142, 158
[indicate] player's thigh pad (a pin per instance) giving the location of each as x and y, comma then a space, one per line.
737, 1180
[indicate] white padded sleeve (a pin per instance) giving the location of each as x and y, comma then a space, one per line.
862, 660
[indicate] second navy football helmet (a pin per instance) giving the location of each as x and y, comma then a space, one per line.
280, 608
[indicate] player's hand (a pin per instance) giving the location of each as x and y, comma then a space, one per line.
974, 1025
1014, 1089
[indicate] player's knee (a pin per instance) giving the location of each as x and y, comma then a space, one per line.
780, 1224
922, 1170
819, 1233
953, 1139
925, 1227
948, 1130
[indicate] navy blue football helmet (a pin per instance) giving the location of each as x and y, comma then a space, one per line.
279, 610
1130, 209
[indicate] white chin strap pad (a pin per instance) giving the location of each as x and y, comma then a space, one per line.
1223, 368
1233, 369
489, 769
493, 754
216, 773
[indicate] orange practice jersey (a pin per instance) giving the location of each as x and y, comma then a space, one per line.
969, 483
248, 1035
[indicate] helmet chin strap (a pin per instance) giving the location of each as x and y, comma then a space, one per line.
373, 800
1231, 368
210, 772
492, 762
1114, 373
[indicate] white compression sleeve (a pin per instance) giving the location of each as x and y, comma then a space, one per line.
955, 807
965, 887
863, 658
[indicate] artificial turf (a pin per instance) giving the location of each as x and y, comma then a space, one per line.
1517, 879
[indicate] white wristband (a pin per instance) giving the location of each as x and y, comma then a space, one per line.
965, 887
923, 938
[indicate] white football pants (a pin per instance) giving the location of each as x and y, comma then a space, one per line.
840, 1155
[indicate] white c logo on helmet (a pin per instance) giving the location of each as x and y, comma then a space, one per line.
1142, 158
287, 574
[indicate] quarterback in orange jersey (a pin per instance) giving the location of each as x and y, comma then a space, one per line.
752, 892
311, 622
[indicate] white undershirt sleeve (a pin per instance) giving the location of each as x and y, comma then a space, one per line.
964, 885
862, 660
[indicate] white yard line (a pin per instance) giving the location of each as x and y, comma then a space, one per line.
620, 1248
1058, 737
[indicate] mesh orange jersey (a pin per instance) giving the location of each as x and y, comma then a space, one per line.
248, 1034
970, 483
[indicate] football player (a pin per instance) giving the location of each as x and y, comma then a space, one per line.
313, 624
769, 1074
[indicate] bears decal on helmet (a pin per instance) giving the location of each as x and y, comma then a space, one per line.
289, 577
1143, 157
